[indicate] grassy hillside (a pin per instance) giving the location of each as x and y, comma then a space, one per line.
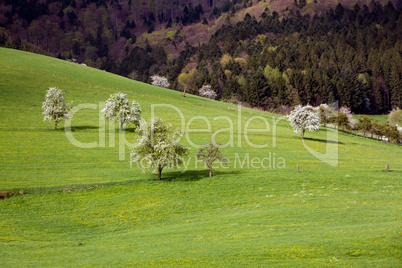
94, 207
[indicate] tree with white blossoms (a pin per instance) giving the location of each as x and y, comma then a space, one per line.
155, 149
304, 117
206, 91
54, 107
118, 108
160, 81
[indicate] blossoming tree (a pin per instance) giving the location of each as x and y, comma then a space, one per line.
118, 108
206, 91
160, 81
155, 149
54, 108
302, 118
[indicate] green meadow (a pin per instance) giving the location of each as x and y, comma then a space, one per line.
380, 118
89, 207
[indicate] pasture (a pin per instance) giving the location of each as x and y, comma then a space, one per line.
88, 207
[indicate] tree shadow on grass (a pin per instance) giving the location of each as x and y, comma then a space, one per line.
76, 128
322, 140
175, 176
129, 129
193, 175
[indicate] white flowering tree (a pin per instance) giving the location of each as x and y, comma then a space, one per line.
118, 108
155, 149
160, 81
54, 108
206, 91
304, 117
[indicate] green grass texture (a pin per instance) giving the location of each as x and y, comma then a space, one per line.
87, 207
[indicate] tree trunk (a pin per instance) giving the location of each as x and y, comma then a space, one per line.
159, 174
302, 134
210, 171
121, 126
55, 126
184, 93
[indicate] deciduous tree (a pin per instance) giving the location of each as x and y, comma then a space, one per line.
345, 119
364, 124
207, 91
54, 108
342, 120
392, 133
160, 81
210, 153
395, 117
155, 149
187, 80
118, 108
326, 113
304, 117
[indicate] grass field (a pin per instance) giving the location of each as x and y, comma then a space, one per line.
380, 118
85, 207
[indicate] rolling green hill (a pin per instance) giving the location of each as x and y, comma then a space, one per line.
85, 207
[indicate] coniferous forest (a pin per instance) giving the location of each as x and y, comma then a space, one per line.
348, 54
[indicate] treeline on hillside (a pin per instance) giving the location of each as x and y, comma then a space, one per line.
100, 32
349, 55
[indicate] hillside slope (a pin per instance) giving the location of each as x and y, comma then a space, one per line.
87, 202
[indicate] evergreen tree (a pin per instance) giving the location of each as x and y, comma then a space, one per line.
396, 88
